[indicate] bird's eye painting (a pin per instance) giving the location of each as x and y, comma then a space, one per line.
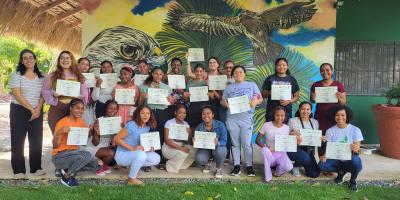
252, 33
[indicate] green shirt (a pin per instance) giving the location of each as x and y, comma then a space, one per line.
143, 88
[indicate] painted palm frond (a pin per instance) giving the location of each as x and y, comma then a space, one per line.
175, 43
258, 118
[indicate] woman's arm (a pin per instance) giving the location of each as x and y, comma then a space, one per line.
169, 141
49, 96
119, 140
258, 140
16, 92
266, 93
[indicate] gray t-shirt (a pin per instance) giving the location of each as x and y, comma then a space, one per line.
31, 90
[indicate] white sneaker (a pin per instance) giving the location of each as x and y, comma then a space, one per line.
19, 176
39, 172
296, 171
207, 167
218, 173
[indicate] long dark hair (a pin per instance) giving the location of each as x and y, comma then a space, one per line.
58, 74
21, 68
282, 59
136, 117
150, 79
72, 103
301, 105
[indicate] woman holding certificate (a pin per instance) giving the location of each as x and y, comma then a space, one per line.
130, 152
322, 110
127, 94
273, 158
88, 114
102, 92
67, 157
176, 148
157, 96
241, 98
194, 110
281, 89
100, 143
343, 147
209, 124
26, 115
67, 72
305, 154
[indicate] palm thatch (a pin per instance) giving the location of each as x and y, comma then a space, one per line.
52, 27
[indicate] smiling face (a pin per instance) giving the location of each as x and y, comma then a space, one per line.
305, 111
106, 68
112, 110
28, 60
76, 110
157, 75
326, 72
239, 75
281, 67
207, 115
176, 67
341, 117
143, 68
213, 64
84, 66
125, 76
199, 73
65, 61
279, 116
228, 68
180, 114
145, 114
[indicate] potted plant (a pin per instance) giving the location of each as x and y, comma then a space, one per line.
388, 123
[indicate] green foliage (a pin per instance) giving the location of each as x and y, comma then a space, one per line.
393, 93
175, 43
10, 47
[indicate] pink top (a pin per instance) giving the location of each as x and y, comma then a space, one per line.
269, 130
126, 111
49, 86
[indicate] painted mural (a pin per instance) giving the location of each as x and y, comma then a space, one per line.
252, 33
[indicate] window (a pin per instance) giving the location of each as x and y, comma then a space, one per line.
367, 67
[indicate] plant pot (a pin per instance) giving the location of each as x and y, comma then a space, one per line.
388, 124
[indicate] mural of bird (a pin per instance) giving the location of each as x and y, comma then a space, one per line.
258, 27
122, 45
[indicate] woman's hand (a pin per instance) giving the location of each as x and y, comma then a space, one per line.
55, 94
322, 158
184, 149
355, 148
271, 148
341, 96
98, 81
323, 138
298, 139
285, 102
138, 148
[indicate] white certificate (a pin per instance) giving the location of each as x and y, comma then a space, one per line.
326, 94
217, 82
196, 54
178, 132
239, 104
109, 125
310, 137
125, 96
285, 143
78, 136
177, 81
139, 79
338, 151
281, 92
108, 80
90, 79
204, 140
157, 96
151, 139
198, 94
68, 88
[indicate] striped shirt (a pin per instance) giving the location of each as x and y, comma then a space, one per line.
31, 90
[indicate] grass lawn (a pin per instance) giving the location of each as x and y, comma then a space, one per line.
181, 191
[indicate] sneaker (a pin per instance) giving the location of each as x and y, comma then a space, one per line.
250, 171
296, 171
106, 169
353, 186
236, 170
58, 173
147, 169
340, 178
39, 172
207, 167
19, 176
100, 172
218, 173
69, 182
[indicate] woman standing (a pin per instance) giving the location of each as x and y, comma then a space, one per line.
102, 95
130, 152
88, 114
26, 115
322, 111
67, 69
281, 77
240, 125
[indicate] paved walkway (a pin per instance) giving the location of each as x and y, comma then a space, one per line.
376, 166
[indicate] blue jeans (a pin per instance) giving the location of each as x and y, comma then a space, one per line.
307, 160
354, 166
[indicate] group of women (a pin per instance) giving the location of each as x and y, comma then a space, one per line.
30, 90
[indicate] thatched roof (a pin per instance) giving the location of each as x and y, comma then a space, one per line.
55, 23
